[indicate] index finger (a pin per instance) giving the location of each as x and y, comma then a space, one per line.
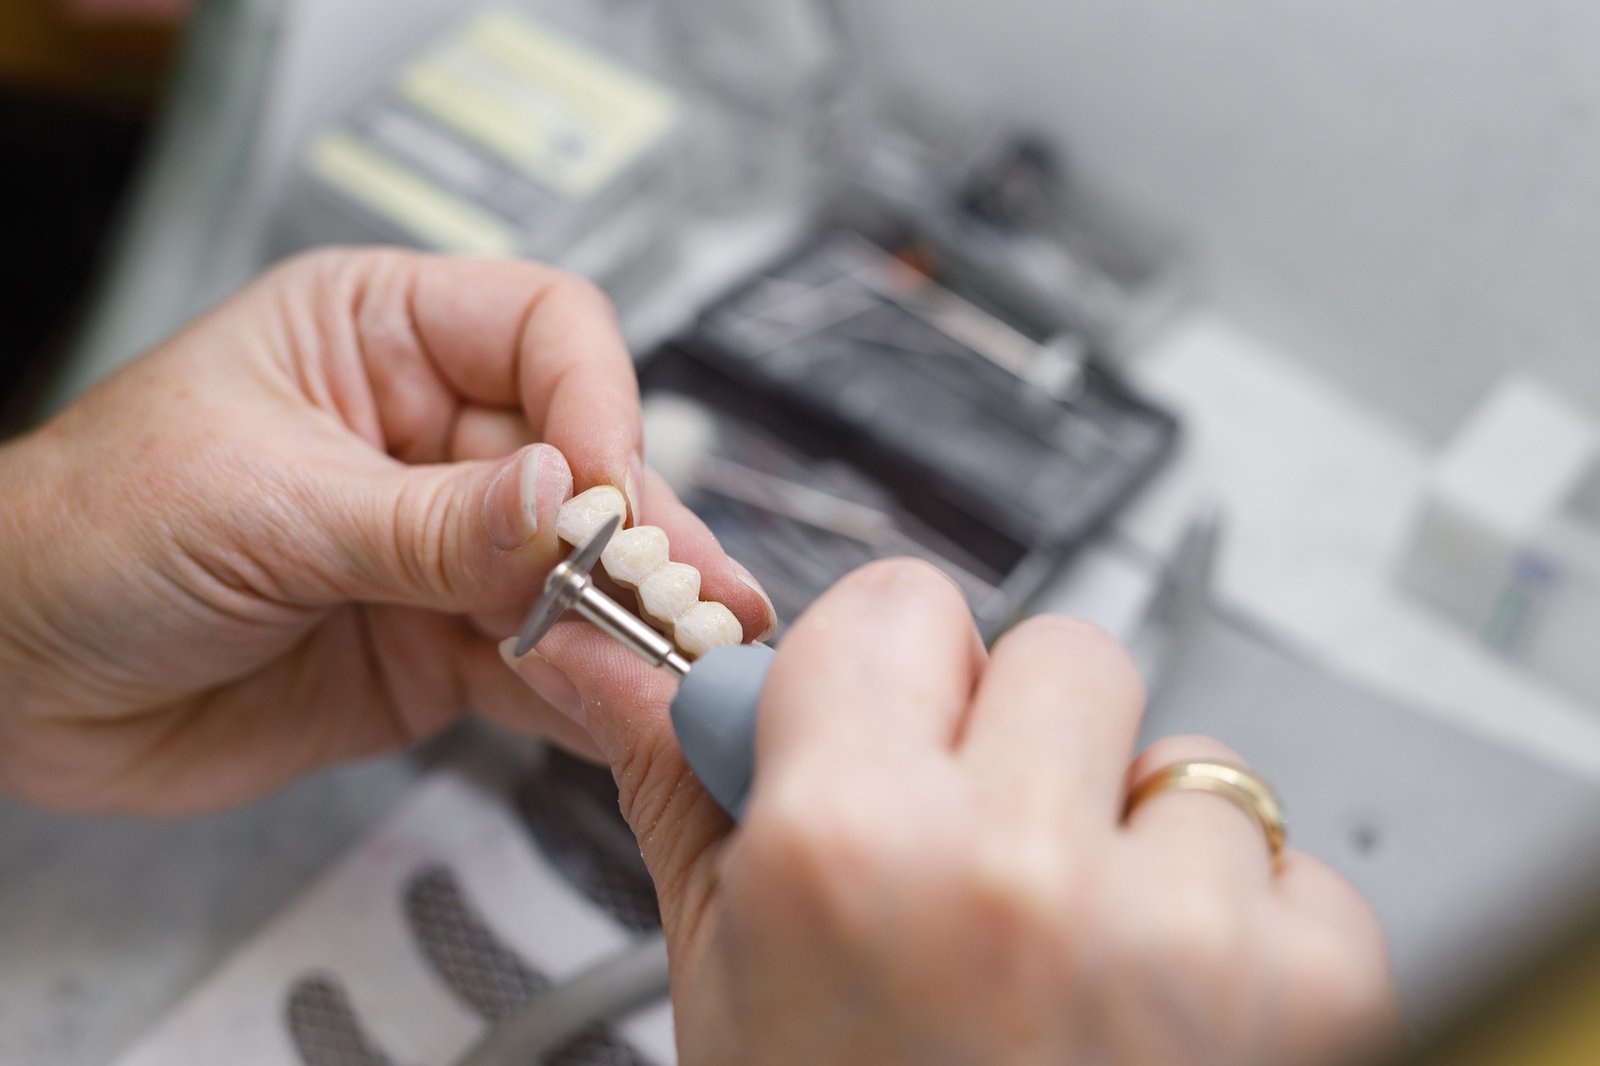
512, 334
878, 670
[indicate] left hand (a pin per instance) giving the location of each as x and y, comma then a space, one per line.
294, 533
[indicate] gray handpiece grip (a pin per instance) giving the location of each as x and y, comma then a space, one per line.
714, 715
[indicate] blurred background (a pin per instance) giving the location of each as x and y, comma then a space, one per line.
78, 89
1261, 334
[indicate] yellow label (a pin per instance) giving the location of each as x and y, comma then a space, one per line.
565, 116
439, 219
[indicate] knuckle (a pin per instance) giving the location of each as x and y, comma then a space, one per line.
820, 851
322, 263
1053, 634
1026, 900
313, 263
366, 285
1056, 629
579, 292
1055, 640
423, 528
648, 779
1351, 981
812, 868
907, 582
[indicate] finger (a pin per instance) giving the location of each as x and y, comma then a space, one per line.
721, 578
579, 388
616, 697
432, 667
488, 433
1331, 933
514, 333
505, 699
432, 333
623, 703
1056, 716
457, 537
1312, 888
877, 672
1194, 829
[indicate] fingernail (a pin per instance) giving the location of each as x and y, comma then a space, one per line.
511, 504
548, 683
630, 488
748, 580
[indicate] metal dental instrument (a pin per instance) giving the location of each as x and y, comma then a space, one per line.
1179, 604
570, 587
714, 711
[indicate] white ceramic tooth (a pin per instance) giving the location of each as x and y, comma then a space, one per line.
583, 515
704, 626
634, 554
666, 595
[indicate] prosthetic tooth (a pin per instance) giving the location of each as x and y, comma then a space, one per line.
637, 558
634, 554
666, 595
582, 516
704, 626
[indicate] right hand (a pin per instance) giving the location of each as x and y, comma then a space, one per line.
934, 866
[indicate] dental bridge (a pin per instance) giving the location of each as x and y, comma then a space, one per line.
719, 692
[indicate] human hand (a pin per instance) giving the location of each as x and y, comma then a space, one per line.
934, 865
294, 533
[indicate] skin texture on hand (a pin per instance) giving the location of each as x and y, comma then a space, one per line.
295, 533
934, 867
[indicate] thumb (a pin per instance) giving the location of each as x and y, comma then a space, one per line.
457, 537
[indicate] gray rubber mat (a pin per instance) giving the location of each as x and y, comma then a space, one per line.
325, 1028
570, 808
488, 976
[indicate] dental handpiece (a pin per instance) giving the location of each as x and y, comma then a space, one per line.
714, 711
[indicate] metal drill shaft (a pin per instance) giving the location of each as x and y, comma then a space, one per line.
571, 588
610, 618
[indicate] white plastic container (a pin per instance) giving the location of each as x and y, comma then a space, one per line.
1507, 532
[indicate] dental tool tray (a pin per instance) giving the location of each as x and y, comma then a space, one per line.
850, 407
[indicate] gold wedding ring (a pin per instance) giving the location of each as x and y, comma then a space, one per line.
1247, 791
